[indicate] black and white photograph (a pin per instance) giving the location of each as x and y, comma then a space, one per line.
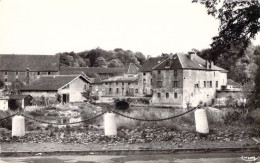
129, 81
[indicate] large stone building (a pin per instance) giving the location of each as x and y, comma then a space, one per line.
185, 79
27, 68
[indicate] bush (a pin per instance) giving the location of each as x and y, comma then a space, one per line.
7, 123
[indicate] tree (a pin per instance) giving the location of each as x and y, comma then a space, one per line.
101, 62
239, 23
16, 86
115, 63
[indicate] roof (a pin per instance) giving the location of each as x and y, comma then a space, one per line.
150, 63
91, 72
18, 97
77, 71
132, 69
234, 84
11, 62
123, 78
184, 61
50, 82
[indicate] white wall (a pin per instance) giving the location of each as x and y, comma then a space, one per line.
4, 104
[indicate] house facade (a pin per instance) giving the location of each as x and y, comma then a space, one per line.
69, 87
120, 86
26, 68
146, 77
186, 79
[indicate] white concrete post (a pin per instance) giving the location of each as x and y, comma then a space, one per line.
18, 126
110, 124
201, 121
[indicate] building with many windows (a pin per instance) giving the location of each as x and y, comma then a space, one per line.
27, 68
186, 79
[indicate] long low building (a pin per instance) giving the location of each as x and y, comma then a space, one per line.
70, 87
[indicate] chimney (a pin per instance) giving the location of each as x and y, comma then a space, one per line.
27, 76
191, 55
208, 66
211, 64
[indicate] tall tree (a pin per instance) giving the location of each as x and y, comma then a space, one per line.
239, 23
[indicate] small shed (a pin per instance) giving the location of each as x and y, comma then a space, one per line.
4, 103
22, 101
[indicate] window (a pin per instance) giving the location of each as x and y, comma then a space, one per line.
5, 87
159, 95
151, 91
106, 83
175, 73
117, 90
216, 84
144, 81
122, 90
159, 72
151, 81
136, 83
144, 73
6, 73
159, 84
210, 84
90, 87
110, 90
129, 83
49, 73
110, 83
123, 83
38, 73
196, 86
5, 79
136, 90
167, 95
175, 84
175, 95
116, 83
205, 84
16, 73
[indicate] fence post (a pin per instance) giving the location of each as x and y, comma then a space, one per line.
110, 124
18, 126
201, 121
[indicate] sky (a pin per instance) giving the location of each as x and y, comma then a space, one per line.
152, 27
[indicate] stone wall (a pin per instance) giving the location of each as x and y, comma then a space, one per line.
167, 93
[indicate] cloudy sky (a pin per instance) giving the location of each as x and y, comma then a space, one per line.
149, 26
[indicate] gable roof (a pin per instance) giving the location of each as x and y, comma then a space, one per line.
132, 69
233, 83
11, 62
150, 63
184, 61
51, 82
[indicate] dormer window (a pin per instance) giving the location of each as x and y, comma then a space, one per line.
168, 64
